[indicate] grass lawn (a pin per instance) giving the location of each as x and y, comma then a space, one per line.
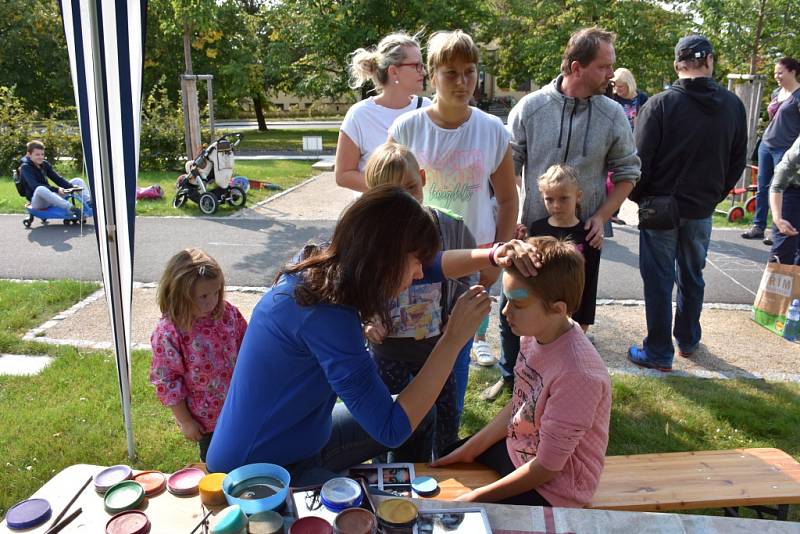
285, 173
70, 413
286, 139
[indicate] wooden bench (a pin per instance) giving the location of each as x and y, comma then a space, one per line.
767, 480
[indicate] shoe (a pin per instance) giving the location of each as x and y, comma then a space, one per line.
493, 391
683, 354
483, 354
617, 220
639, 357
767, 241
753, 233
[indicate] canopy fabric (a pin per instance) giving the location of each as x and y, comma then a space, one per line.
105, 41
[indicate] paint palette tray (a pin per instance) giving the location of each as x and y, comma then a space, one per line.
471, 520
185, 481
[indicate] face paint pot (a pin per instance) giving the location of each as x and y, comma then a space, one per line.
397, 516
153, 482
130, 522
210, 487
127, 495
341, 493
28, 514
110, 476
265, 523
311, 525
185, 481
230, 520
257, 487
355, 521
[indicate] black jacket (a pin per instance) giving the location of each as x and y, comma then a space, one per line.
692, 139
34, 177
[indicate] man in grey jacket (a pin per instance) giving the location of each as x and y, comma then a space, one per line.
571, 121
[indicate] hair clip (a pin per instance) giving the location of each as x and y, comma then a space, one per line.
201, 271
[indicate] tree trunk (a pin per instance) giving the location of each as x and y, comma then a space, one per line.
187, 48
754, 58
258, 106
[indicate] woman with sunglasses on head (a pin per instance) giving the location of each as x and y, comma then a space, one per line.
396, 69
466, 156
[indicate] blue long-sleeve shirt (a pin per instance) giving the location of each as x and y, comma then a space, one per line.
294, 362
34, 176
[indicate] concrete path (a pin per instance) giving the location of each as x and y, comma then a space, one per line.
733, 346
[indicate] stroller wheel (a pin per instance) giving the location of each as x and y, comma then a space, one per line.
27, 222
750, 205
179, 200
237, 197
208, 203
735, 214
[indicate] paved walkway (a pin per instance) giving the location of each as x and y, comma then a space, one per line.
733, 346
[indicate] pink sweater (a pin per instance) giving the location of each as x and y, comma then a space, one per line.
197, 365
561, 408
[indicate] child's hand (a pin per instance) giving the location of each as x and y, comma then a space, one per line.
521, 232
460, 455
375, 332
191, 429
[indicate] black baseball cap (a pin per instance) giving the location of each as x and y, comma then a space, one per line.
693, 46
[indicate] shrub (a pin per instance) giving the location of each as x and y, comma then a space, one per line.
161, 143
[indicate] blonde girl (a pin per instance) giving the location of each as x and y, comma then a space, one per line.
560, 190
195, 343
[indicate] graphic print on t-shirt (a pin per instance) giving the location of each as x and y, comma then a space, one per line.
522, 429
452, 178
417, 312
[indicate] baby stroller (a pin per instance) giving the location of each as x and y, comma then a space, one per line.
78, 214
209, 179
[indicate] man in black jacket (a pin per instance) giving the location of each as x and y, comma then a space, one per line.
692, 140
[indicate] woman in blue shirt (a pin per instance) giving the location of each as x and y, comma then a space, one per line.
304, 347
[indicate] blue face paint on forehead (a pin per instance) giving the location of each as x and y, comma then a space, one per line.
516, 294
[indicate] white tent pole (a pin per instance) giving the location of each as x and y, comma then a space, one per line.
117, 314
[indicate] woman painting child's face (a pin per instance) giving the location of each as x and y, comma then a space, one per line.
205, 296
413, 272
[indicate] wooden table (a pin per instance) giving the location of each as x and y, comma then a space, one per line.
170, 514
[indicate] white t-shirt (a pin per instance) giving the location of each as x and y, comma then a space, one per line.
367, 124
458, 164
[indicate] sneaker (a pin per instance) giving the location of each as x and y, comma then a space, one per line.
493, 391
767, 241
685, 354
639, 357
753, 233
483, 354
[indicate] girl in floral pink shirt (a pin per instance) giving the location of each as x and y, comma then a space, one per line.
548, 444
195, 344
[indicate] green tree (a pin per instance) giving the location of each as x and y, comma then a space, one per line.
749, 35
33, 55
307, 51
530, 36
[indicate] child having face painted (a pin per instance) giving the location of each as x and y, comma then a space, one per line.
549, 442
195, 344
420, 313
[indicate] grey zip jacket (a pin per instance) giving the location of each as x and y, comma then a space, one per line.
593, 135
